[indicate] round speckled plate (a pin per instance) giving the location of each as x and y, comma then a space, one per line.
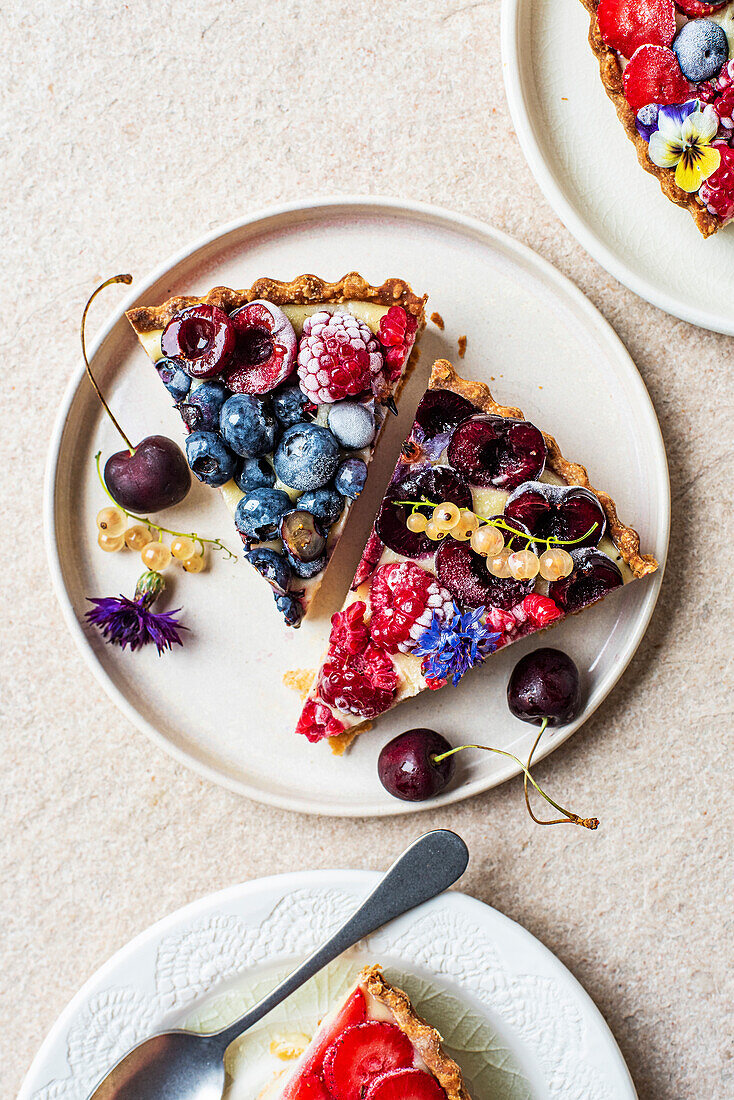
219, 703
587, 168
518, 1023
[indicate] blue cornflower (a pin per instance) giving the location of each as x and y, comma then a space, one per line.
452, 647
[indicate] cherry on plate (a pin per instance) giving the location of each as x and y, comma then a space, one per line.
544, 685
407, 768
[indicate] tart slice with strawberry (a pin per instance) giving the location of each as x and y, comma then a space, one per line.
486, 534
373, 1047
668, 67
283, 390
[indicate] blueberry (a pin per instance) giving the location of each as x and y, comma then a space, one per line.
307, 569
258, 513
210, 458
350, 477
306, 457
201, 412
326, 504
272, 566
248, 425
701, 47
290, 608
174, 378
288, 405
352, 424
255, 473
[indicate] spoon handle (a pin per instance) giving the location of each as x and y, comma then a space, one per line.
428, 867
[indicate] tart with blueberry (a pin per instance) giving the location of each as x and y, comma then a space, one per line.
283, 390
486, 534
668, 67
373, 1047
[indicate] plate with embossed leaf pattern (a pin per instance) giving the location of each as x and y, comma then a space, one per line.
517, 1022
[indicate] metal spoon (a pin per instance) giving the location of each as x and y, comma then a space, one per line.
181, 1065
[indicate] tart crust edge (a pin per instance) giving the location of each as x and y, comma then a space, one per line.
302, 290
626, 539
611, 77
424, 1038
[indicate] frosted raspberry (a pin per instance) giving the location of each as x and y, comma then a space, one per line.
317, 722
397, 329
404, 598
339, 357
348, 631
502, 621
717, 192
726, 76
363, 683
724, 107
541, 610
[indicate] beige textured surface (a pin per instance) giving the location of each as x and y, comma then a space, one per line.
128, 131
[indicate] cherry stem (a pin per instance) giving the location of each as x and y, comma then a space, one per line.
127, 279
569, 818
497, 521
216, 544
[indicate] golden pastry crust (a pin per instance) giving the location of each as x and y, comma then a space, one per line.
424, 1038
610, 71
302, 290
626, 539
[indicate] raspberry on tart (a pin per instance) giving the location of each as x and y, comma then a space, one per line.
485, 534
373, 1046
283, 390
668, 67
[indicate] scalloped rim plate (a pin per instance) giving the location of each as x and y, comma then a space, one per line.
533, 337
583, 161
455, 948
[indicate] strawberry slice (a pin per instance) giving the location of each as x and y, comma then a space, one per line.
697, 7
653, 76
362, 1053
309, 1087
405, 1084
352, 1012
625, 25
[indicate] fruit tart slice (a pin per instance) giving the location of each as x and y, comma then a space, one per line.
283, 390
374, 1047
668, 67
486, 534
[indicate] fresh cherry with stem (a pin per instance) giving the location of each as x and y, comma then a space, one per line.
417, 765
152, 475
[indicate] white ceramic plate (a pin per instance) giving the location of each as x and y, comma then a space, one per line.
520, 1025
587, 167
219, 704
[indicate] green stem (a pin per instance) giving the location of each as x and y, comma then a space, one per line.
216, 544
568, 816
497, 521
127, 279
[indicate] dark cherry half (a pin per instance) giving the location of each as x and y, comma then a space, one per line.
430, 483
558, 511
467, 578
265, 352
594, 574
202, 337
495, 450
441, 411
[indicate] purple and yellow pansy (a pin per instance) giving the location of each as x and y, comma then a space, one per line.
679, 136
